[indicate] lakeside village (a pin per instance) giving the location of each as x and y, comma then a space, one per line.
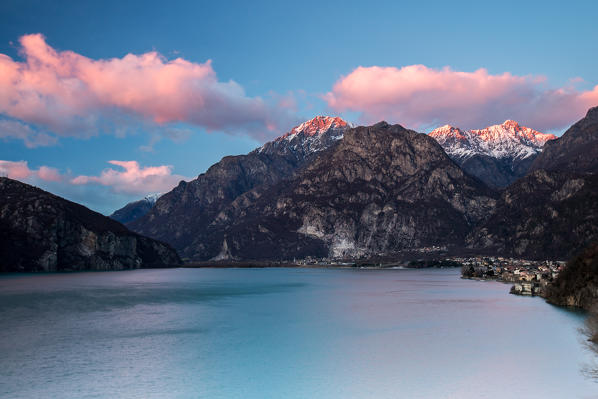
528, 277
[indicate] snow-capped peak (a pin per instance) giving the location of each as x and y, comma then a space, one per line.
309, 137
507, 140
315, 126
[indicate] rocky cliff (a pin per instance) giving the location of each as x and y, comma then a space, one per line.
381, 190
545, 215
42, 232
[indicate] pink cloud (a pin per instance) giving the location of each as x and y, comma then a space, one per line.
133, 179
418, 96
20, 170
49, 174
71, 94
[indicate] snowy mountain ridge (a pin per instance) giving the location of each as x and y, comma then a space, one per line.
507, 140
309, 137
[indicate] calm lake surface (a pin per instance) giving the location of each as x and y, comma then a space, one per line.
283, 333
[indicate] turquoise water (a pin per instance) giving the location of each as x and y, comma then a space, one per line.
283, 333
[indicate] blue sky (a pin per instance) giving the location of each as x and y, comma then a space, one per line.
298, 52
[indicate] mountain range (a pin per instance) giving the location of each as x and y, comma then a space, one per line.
379, 190
329, 189
498, 155
552, 212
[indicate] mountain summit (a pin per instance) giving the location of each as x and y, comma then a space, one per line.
184, 214
315, 126
498, 154
507, 140
311, 136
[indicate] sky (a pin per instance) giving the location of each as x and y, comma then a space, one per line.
105, 102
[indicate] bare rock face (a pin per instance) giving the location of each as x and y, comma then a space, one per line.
545, 215
382, 189
42, 232
182, 216
575, 151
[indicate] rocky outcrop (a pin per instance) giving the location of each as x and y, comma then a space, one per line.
42, 232
575, 151
577, 284
182, 216
545, 215
381, 190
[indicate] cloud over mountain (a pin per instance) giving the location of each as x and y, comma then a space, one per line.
134, 179
20, 170
130, 179
418, 97
73, 95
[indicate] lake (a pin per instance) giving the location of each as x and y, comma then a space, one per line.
284, 333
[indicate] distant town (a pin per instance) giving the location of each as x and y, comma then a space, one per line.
529, 277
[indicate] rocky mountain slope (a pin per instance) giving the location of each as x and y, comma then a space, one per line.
498, 155
382, 189
42, 232
545, 215
552, 212
577, 285
182, 215
576, 150
136, 209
